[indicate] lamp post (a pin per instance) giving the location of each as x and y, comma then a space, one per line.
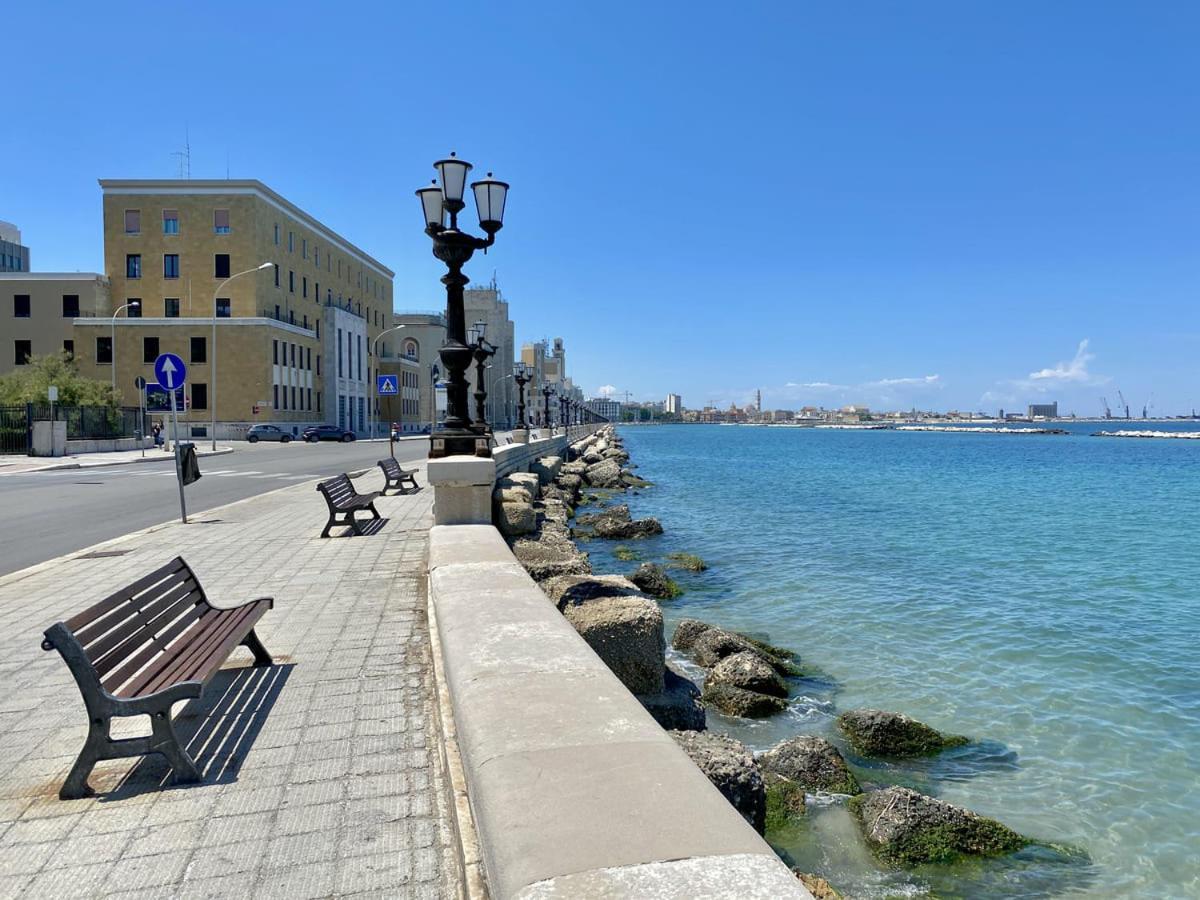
522, 376
562, 413
454, 248
492, 394
482, 351
112, 341
212, 398
375, 356
547, 393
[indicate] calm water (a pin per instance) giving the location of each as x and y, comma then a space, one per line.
1038, 593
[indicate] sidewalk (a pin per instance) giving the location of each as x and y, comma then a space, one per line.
13, 464
322, 774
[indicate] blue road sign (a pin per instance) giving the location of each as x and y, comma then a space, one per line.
158, 399
386, 385
170, 371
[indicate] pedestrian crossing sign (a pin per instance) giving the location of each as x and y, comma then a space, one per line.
386, 385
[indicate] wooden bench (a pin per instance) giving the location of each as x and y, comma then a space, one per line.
140, 651
345, 501
396, 477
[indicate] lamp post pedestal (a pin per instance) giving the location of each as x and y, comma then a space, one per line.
520, 436
462, 489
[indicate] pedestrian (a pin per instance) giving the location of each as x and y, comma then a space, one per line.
158, 438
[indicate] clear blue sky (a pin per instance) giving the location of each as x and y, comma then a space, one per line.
894, 203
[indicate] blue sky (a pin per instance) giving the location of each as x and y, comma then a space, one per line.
944, 204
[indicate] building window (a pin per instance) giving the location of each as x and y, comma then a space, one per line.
221, 265
318, 402
275, 352
133, 265
199, 347
133, 221
304, 286
22, 350
170, 265
339, 346
221, 221
223, 308
285, 406
410, 349
276, 274
275, 404
304, 248
318, 363
308, 358
21, 306
291, 242
69, 348
317, 257
291, 282
199, 395
171, 307
135, 308
149, 349
293, 397
70, 306
309, 399
170, 221
104, 351
358, 341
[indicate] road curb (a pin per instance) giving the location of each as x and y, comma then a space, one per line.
165, 457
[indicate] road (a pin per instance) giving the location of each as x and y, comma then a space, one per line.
48, 514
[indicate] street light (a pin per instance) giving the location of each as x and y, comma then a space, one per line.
453, 247
212, 399
112, 341
522, 376
482, 350
371, 403
492, 394
547, 393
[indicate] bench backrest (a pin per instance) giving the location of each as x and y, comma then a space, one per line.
111, 642
390, 467
338, 490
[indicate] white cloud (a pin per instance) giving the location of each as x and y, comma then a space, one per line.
926, 381
816, 386
1073, 372
606, 390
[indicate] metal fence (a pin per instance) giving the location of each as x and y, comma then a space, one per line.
14, 429
83, 423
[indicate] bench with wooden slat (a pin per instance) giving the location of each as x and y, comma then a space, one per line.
344, 501
141, 650
403, 480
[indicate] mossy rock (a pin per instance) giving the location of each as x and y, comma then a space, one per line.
817, 886
626, 554
875, 732
688, 561
905, 828
785, 801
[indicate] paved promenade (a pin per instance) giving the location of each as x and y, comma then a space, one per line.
322, 775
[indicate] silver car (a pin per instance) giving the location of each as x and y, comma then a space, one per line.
267, 433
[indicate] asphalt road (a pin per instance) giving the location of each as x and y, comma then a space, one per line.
48, 514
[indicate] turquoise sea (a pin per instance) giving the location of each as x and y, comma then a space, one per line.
1040, 594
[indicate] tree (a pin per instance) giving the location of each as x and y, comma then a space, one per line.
29, 383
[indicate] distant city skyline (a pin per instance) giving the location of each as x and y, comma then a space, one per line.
934, 205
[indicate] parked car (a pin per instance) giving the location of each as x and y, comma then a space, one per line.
315, 433
267, 433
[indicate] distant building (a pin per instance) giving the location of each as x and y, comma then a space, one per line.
38, 312
674, 404
410, 354
486, 304
1043, 410
603, 406
14, 257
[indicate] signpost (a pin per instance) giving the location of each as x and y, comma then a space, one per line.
171, 374
140, 384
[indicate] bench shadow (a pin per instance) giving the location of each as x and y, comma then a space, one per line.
370, 526
218, 729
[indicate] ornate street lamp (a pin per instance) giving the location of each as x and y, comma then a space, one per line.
547, 393
456, 435
522, 376
482, 351
562, 412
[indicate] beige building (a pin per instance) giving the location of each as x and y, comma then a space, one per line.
410, 355
38, 311
293, 340
487, 305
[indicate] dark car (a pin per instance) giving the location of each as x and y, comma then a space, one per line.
267, 433
316, 433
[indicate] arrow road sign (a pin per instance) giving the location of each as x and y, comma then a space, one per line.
170, 371
386, 385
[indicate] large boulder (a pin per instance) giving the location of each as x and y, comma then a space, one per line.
547, 555
627, 633
817, 886
572, 468
554, 511
546, 468
731, 768
715, 644
615, 453
875, 732
748, 671
811, 762
606, 474
678, 707
686, 633
616, 530
569, 482
517, 518
617, 513
738, 702
907, 828
591, 456
519, 486
573, 590
654, 580
562, 495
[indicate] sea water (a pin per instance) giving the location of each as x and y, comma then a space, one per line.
1039, 593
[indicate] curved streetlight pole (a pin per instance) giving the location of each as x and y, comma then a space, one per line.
492, 394
212, 398
371, 402
112, 341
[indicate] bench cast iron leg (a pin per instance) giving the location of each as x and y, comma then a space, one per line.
164, 740
329, 525
255, 646
76, 786
374, 511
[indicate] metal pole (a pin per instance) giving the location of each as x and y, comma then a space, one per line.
375, 356
212, 394
142, 418
178, 458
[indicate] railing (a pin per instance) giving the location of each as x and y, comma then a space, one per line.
93, 422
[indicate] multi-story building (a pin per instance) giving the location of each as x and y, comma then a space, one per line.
14, 256
487, 305
604, 406
1043, 410
674, 404
39, 311
534, 358
293, 339
410, 354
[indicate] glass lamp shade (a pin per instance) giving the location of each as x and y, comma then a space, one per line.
453, 172
519, 370
490, 196
432, 206
481, 329
473, 334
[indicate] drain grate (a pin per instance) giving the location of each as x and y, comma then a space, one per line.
103, 554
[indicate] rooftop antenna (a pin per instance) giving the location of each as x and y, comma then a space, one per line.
185, 156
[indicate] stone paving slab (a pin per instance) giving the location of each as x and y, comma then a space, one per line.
322, 774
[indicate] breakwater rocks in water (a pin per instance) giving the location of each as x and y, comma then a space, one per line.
1183, 435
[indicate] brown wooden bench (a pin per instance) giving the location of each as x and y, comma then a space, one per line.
345, 501
140, 651
397, 478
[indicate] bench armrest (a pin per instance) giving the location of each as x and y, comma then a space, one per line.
160, 700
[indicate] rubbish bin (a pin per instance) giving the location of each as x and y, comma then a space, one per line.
188, 466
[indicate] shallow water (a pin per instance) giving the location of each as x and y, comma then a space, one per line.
1038, 593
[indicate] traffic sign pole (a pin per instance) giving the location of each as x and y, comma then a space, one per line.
172, 374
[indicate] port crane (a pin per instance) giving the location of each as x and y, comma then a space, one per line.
1124, 406
1104, 403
